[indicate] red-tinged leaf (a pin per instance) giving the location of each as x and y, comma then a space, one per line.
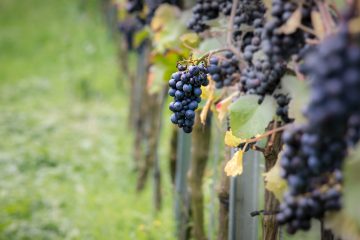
223, 107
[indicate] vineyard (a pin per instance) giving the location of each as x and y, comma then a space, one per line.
180, 119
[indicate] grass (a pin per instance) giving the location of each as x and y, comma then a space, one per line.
65, 150
65, 154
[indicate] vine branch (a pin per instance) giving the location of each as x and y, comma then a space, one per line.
231, 31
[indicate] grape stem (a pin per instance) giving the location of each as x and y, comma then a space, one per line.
307, 29
209, 54
191, 48
272, 138
279, 129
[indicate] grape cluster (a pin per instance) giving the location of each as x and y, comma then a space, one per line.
134, 5
203, 10
314, 153
224, 70
225, 6
185, 87
312, 191
261, 78
280, 46
282, 110
250, 13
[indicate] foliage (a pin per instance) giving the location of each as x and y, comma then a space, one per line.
235, 166
248, 118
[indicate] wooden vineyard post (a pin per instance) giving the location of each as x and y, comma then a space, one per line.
271, 205
139, 108
182, 204
244, 195
154, 144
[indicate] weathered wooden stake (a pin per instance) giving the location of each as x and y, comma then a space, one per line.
139, 109
271, 152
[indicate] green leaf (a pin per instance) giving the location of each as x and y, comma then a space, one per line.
140, 36
208, 45
163, 65
346, 223
299, 93
190, 39
167, 28
248, 118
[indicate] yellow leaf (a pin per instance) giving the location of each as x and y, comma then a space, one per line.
231, 140
223, 107
190, 39
354, 25
292, 23
274, 183
318, 24
342, 225
207, 93
205, 110
235, 166
163, 15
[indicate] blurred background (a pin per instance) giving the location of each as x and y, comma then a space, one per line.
65, 149
67, 152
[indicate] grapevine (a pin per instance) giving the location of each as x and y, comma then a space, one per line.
283, 81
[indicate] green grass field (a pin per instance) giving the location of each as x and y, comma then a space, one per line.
65, 150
